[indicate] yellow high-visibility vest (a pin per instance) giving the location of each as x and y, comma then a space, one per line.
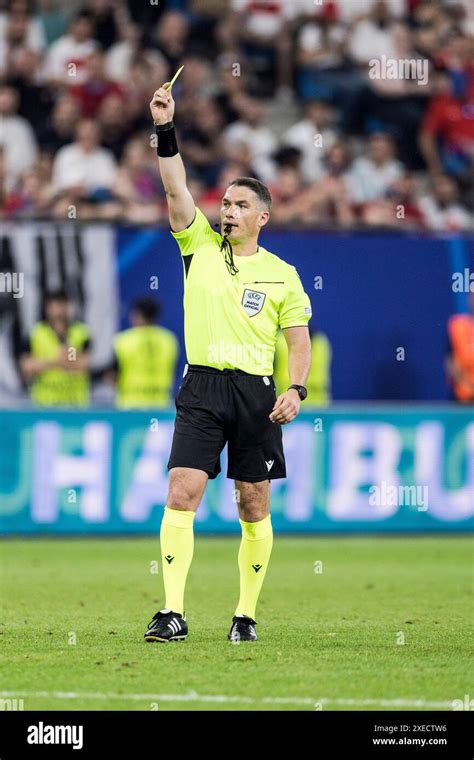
319, 378
147, 358
56, 387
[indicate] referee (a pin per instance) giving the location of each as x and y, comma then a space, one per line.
236, 295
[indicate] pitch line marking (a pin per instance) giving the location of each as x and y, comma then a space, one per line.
193, 696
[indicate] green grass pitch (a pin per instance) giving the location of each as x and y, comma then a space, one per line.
384, 625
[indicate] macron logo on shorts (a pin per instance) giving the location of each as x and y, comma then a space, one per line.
269, 464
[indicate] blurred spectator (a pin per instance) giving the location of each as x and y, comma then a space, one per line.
61, 126
19, 31
129, 50
314, 136
108, 16
441, 209
460, 359
144, 72
32, 197
371, 37
16, 138
52, 19
145, 360
171, 36
323, 66
264, 31
194, 84
291, 202
137, 184
116, 127
95, 87
252, 132
447, 132
67, 57
399, 208
231, 82
84, 164
371, 175
397, 103
202, 142
120, 55
55, 359
350, 12
35, 98
330, 195
240, 153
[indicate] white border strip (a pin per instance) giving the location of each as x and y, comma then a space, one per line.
193, 696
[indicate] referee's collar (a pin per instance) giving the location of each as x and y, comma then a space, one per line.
257, 255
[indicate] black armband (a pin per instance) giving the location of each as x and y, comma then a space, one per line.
167, 145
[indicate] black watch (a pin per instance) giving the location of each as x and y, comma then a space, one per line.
302, 392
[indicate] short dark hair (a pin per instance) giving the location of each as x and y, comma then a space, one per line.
56, 295
148, 308
82, 15
261, 191
59, 295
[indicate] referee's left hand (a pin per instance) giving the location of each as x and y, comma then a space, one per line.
286, 407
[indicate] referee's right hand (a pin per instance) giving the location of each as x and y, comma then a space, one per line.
162, 105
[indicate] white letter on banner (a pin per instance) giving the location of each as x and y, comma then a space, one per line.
350, 470
149, 484
53, 470
430, 464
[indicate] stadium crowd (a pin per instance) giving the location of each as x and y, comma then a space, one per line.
283, 90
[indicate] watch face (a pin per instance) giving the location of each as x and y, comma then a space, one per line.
302, 392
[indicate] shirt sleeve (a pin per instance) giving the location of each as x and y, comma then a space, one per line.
295, 311
22, 347
199, 232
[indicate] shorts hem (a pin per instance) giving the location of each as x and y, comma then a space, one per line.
210, 475
257, 478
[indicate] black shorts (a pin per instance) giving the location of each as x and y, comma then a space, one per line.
215, 407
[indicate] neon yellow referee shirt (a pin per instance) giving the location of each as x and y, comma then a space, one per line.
231, 322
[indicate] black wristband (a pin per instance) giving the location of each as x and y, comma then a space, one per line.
167, 144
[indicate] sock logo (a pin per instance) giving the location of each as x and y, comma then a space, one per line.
269, 464
169, 559
257, 567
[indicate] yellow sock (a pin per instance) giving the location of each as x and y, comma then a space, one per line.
177, 545
254, 556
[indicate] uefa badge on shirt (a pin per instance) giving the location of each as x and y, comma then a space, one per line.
253, 301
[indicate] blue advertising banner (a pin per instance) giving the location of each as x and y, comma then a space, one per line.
374, 294
351, 468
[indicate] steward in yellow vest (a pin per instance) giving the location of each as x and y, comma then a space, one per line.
145, 360
56, 358
318, 383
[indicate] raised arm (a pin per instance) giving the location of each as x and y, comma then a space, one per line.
181, 207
